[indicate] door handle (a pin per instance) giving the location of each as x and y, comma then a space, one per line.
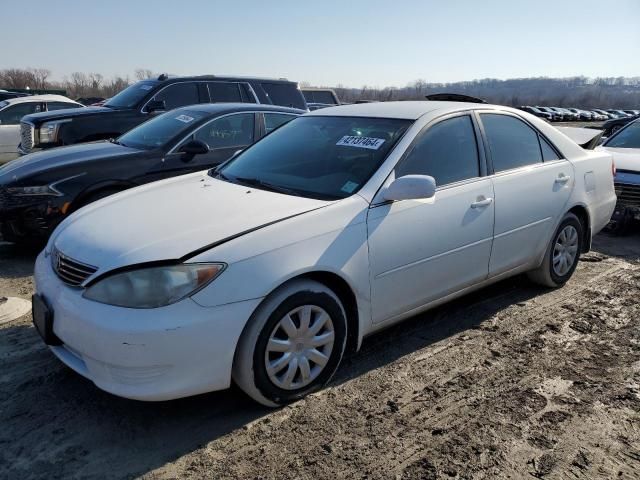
482, 202
562, 178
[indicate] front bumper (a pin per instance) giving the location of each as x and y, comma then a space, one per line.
31, 219
145, 354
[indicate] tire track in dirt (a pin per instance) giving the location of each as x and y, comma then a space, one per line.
426, 415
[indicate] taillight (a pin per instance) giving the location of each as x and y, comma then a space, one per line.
613, 168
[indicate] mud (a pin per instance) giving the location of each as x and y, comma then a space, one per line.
512, 381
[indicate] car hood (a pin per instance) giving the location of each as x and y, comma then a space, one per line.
625, 158
39, 118
170, 220
61, 157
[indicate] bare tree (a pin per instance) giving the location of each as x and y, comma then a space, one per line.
143, 74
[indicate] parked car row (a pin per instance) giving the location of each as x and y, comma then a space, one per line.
147, 98
558, 114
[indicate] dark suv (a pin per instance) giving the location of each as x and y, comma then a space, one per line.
140, 101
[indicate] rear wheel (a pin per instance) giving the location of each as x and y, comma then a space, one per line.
292, 345
562, 255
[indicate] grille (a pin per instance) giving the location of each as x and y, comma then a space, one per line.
26, 136
628, 194
70, 271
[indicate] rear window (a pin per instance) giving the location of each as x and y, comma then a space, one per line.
320, 96
284, 94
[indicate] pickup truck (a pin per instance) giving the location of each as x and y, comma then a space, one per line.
142, 100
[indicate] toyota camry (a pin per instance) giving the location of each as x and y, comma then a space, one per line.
340, 223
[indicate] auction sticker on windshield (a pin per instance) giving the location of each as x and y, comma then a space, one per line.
184, 118
361, 142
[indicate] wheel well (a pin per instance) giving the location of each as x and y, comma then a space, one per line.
78, 202
346, 296
582, 214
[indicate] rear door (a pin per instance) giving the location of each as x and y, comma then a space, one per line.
225, 92
532, 185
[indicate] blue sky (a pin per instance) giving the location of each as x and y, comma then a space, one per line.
349, 42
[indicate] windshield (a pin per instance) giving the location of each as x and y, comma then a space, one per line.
318, 157
160, 130
626, 138
131, 95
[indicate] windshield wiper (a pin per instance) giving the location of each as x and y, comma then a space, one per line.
256, 182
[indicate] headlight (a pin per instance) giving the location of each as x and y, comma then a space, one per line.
51, 189
49, 131
155, 286
38, 190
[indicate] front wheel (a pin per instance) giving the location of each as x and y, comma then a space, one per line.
292, 344
562, 255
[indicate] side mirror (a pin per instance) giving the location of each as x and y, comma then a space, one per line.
411, 187
155, 106
194, 147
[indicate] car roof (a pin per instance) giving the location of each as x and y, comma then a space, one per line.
39, 98
221, 108
410, 110
171, 79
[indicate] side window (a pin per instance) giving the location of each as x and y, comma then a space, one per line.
51, 106
226, 132
224, 92
274, 120
447, 151
548, 153
284, 94
12, 115
512, 142
178, 95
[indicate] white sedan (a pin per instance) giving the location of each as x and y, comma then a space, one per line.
336, 225
12, 111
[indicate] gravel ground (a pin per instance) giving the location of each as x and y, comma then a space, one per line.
512, 381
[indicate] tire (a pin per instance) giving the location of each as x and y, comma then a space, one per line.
296, 300
567, 242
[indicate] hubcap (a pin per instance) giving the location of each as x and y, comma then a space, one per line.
565, 250
299, 347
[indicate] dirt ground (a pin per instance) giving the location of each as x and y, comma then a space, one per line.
510, 382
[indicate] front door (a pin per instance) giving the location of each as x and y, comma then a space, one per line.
422, 250
224, 136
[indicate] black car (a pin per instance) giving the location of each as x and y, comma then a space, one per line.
538, 113
612, 126
40, 190
5, 95
140, 101
318, 98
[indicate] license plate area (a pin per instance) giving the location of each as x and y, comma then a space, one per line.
43, 320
